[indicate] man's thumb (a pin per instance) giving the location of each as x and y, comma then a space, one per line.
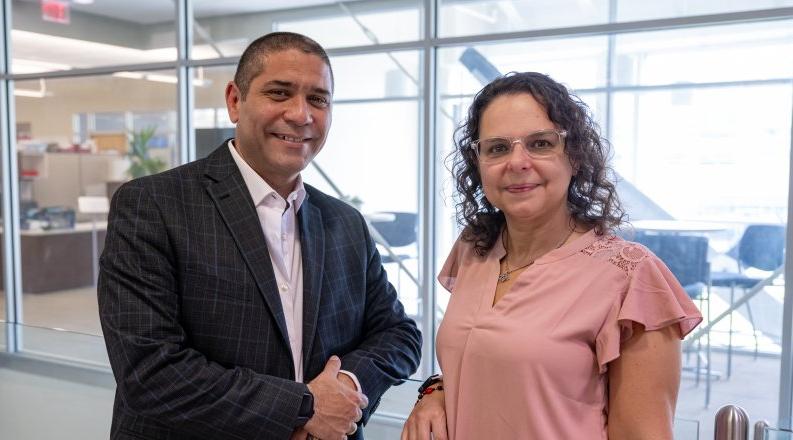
333, 365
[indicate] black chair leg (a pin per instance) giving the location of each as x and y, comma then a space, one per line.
754, 330
729, 335
708, 373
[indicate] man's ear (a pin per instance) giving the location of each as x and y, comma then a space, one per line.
233, 100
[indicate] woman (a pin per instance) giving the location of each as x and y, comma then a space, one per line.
556, 328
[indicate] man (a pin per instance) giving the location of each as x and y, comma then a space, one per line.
228, 287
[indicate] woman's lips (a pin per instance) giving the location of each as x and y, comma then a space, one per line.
521, 188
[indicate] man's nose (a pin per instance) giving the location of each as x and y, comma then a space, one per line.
298, 112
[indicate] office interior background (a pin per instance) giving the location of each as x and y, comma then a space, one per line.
696, 98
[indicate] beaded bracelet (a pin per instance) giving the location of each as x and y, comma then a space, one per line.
428, 390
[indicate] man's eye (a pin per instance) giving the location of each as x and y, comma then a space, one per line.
319, 101
278, 94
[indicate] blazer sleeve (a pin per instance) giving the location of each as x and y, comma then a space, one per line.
390, 350
158, 375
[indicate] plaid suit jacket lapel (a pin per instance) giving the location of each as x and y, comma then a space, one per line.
227, 190
312, 247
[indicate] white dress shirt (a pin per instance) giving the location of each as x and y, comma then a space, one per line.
278, 217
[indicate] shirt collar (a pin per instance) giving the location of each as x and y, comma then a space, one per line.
259, 188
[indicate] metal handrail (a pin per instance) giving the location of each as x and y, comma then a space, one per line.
741, 301
731, 423
759, 430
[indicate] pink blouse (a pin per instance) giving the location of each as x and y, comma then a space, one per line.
534, 365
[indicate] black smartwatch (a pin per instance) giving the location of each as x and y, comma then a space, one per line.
306, 411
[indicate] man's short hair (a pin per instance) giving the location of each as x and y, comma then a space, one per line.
251, 62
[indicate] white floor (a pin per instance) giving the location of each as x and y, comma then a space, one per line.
39, 406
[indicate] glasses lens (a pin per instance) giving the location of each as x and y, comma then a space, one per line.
542, 143
494, 149
538, 145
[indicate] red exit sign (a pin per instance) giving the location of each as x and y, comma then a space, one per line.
55, 11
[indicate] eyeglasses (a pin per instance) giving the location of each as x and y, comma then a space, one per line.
538, 145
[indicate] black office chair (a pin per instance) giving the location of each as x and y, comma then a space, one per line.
761, 247
686, 256
400, 229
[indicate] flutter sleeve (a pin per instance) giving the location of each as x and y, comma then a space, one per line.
655, 299
448, 274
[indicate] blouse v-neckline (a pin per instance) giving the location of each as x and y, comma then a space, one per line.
498, 252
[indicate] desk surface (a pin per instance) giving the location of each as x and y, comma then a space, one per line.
78, 228
678, 226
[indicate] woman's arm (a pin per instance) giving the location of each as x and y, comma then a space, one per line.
643, 384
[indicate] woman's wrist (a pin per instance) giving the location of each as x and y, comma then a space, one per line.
432, 384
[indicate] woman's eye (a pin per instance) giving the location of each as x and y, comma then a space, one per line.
498, 148
541, 144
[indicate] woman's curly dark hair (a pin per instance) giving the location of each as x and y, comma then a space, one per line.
591, 195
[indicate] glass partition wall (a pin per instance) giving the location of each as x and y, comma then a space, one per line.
695, 97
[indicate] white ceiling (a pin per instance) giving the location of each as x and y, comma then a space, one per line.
157, 11
35, 52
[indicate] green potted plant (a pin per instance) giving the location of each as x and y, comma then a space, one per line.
141, 163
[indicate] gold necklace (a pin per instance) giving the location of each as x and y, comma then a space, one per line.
504, 276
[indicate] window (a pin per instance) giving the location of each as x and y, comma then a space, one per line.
225, 30
90, 35
630, 10
371, 157
462, 17
698, 112
721, 54
716, 152
75, 152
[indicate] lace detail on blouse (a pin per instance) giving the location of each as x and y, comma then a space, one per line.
623, 254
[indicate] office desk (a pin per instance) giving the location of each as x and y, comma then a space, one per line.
59, 259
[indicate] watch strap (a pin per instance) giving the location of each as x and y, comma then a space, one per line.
306, 410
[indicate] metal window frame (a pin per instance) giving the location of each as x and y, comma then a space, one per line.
185, 93
428, 46
12, 283
426, 188
786, 367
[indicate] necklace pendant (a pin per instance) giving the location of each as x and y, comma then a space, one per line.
502, 277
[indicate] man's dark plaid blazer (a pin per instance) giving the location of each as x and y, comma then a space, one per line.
192, 317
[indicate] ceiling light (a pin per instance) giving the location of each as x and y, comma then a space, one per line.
20, 65
171, 79
40, 93
31, 93
130, 75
